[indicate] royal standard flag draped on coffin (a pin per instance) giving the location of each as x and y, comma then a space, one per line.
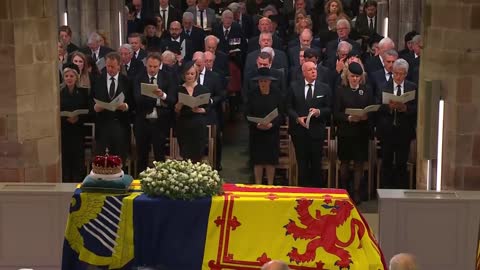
309, 230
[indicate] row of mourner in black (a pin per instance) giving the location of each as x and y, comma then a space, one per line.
395, 122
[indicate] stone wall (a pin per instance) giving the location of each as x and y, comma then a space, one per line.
451, 54
29, 100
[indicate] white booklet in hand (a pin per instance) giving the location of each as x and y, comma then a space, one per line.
113, 105
406, 97
101, 63
307, 123
148, 89
265, 120
360, 112
193, 102
73, 113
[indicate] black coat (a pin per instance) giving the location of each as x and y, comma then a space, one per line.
253, 44
247, 25
362, 25
197, 36
297, 106
234, 40
135, 68
249, 85
323, 74
373, 64
218, 95
333, 45
167, 43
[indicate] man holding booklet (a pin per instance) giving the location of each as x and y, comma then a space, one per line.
154, 98
397, 119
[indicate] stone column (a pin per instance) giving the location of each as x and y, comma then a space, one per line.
451, 31
403, 17
29, 103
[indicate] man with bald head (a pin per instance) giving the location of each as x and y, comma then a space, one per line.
378, 62
177, 39
264, 25
308, 107
403, 261
275, 265
305, 42
280, 60
220, 64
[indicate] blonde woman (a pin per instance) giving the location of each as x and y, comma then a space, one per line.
80, 60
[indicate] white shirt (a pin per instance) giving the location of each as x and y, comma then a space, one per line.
416, 55
153, 114
202, 76
205, 23
127, 65
387, 76
165, 19
109, 82
137, 53
395, 86
177, 40
97, 53
306, 88
371, 20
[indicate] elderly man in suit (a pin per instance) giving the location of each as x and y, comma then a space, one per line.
280, 59
220, 65
153, 115
377, 62
396, 123
113, 127
305, 42
204, 17
135, 40
177, 42
93, 47
309, 108
343, 32
243, 19
195, 34
231, 37
265, 26
130, 66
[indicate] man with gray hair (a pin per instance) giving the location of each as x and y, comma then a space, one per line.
378, 62
379, 78
232, 41
243, 19
130, 66
275, 265
220, 64
414, 61
204, 17
396, 124
403, 261
195, 34
264, 25
94, 49
336, 64
343, 32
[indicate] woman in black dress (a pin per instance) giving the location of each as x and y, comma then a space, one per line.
265, 137
191, 128
72, 98
353, 132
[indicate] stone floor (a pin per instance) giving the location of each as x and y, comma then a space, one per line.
235, 158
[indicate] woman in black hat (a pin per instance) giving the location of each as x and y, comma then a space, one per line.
264, 137
191, 128
353, 132
72, 98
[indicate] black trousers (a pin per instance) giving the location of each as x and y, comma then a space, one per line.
395, 152
308, 152
114, 135
150, 132
73, 155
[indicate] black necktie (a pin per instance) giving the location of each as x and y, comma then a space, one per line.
188, 32
111, 91
201, 19
372, 28
399, 90
226, 34
164, 12
309, 92
389, 76
135, 55
94, 56
152, 80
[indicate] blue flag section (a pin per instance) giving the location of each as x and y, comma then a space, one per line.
170, 234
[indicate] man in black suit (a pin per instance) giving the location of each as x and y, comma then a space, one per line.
153, 115
113, 127
135, 40
329, 33
94, 49
396, 128
305, 42
244, 20
376, 63
264, 26
204, 16
417, 46
212, 82
366, 23
169, 12
130, 67
309, 97
220, 64
343, 32
195, 34
336, 64
264, 60
175, 36
280, 59
379, 78
152, 42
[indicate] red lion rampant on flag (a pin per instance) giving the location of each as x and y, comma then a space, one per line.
321, 230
